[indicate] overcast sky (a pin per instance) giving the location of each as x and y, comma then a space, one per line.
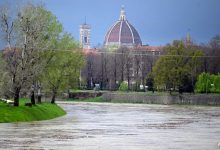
158, 21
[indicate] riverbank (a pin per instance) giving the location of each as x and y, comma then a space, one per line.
44, 111
163, 98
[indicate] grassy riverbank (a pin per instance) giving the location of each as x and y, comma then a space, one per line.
23, 113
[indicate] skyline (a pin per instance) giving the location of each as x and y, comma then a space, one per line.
158, 22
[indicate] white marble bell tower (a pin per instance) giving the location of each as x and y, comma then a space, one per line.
85, 35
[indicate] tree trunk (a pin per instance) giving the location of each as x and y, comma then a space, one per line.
39, 95
32, 97
53, 98
102, 72
16, 97
115, 74
122, 74
39, 99
129, 88
128, 75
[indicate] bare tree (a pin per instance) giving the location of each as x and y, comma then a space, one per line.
113, 65
7, 25
104, 70
90, 70
214, 51
123, 55
137, 68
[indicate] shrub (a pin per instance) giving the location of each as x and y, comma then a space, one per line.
216, 84
208, 83
123, 86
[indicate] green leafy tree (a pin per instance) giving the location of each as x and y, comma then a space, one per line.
169, 69
150, 82
37, 30
194, 63
63, 70
178, 63
31, 31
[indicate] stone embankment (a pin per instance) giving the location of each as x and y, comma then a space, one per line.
183, 99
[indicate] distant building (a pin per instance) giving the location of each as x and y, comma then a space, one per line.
107, 69
85, 30
188, 40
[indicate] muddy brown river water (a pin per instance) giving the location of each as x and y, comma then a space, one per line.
96, 126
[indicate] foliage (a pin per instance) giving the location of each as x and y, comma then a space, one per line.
208, 83
23, 113
179, 62
95, 99
150, 82
123, 86
63, 70
32, 30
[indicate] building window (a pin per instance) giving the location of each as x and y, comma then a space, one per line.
85, 39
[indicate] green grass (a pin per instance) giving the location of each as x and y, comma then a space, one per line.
95, 99
23, 113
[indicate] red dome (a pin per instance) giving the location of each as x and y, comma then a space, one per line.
122, 33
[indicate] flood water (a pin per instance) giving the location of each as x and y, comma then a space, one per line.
95, 126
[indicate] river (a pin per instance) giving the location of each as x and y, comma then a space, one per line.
105, 126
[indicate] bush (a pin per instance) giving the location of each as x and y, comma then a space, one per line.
216, 84
123, 86
208, 83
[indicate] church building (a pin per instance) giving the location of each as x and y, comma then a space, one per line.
132, 60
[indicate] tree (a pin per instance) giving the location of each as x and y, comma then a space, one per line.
150, 82
90, 70
34, 30
122, 51
194, 63
64, 67
104, 78
128, 65
113, 70
2, 74
137, 68
171, 69
212, 53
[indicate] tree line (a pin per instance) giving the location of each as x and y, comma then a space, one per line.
175, 66
109, 68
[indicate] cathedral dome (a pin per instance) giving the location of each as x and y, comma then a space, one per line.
122, 33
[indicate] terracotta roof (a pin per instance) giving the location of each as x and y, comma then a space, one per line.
149, 48
122, 33
88, 51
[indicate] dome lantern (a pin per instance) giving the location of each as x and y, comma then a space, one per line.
122, 14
